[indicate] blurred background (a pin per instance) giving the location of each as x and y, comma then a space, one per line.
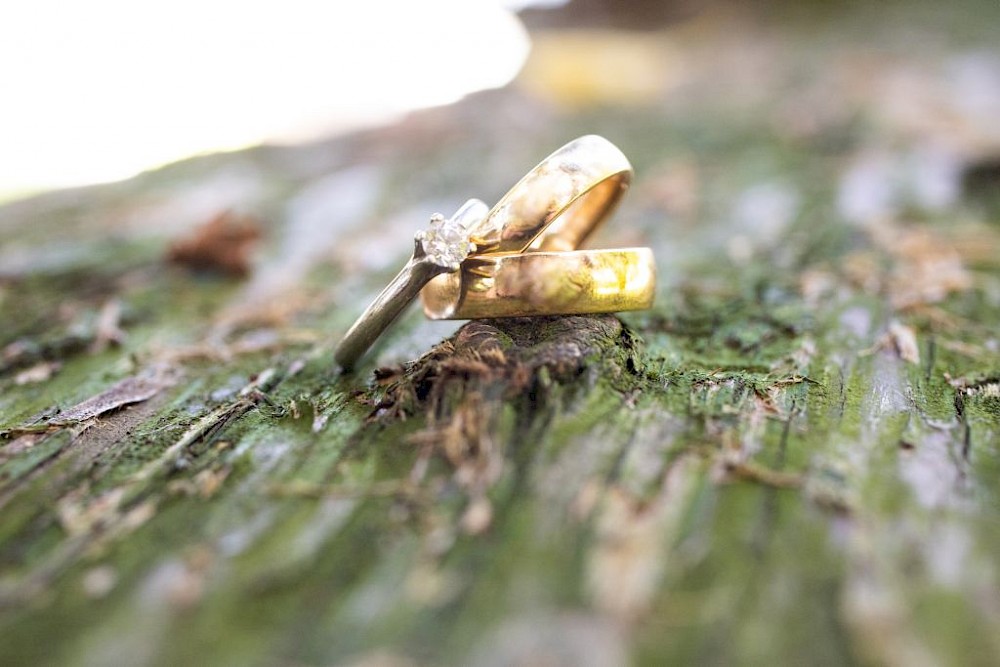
101, 91
104, 90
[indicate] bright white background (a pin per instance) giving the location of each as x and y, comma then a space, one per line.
99, 90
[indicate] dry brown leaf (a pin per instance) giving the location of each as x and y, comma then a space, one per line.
222, 244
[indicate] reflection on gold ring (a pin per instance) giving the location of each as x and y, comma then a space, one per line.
544, 283
560, 202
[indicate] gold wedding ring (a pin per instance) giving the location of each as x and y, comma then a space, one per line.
544, 283
561, 201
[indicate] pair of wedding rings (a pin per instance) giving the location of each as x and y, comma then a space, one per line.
521, 258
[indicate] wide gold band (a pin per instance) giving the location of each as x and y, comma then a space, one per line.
543, 283
560, 202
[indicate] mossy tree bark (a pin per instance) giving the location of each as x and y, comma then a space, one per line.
793, 458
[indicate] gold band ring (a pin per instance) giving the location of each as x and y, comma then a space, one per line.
560, 202
544, 283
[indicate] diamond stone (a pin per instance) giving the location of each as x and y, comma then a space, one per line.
446, 243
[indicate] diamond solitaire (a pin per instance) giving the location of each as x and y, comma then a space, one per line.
446, 243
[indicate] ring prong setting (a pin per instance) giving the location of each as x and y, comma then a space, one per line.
445, 243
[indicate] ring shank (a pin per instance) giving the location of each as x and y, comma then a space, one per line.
383, 311
544, 283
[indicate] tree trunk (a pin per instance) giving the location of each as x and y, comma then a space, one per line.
793, 458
